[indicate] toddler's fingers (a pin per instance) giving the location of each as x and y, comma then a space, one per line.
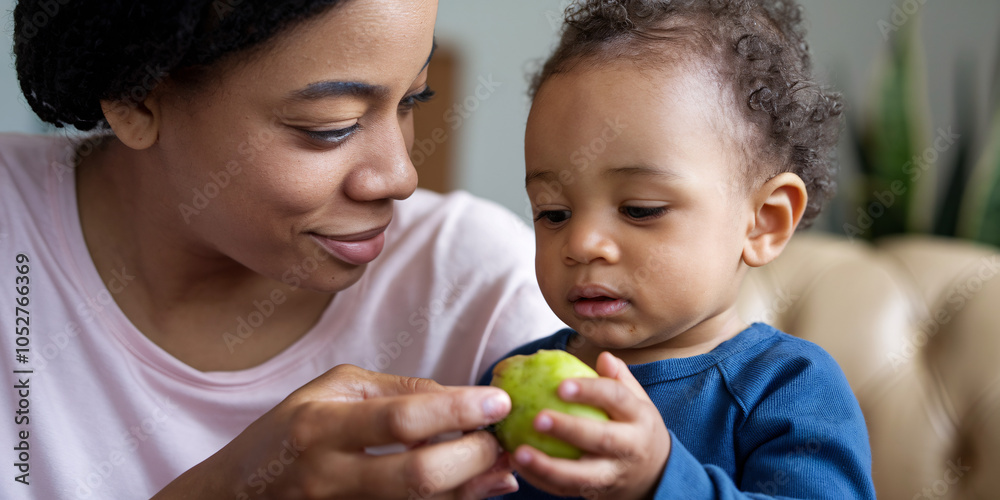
562, 477
608, 365
611, 395
608, 439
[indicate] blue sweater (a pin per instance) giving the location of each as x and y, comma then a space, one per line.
764, 415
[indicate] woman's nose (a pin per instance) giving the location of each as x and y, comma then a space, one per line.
385, 171
587, 241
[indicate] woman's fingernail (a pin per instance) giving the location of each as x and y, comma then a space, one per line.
543, 422
496, 406
569, 389
509, 485
523, 457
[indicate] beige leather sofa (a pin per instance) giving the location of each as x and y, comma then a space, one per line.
915, 325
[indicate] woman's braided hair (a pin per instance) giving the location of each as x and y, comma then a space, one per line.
756, 47
71, 54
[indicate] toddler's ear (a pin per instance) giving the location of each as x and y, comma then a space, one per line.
779, 205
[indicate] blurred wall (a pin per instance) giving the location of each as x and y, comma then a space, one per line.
499, 42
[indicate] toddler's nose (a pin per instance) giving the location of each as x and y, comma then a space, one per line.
587, 243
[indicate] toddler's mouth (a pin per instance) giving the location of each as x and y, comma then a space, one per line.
599, 307
596, 301
592, 292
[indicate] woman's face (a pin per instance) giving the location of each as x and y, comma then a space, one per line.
288, 162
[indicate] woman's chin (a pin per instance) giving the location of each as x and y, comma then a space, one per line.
334, 281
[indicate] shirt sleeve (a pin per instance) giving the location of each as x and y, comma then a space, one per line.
804, 439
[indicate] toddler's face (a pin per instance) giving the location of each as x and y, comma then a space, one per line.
640, 214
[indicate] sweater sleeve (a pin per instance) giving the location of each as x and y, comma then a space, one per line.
803, 437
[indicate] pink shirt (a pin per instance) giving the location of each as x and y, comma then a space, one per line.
108, 414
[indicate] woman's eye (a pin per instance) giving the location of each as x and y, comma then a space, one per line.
333, 136
410, 102
553, 216
643, 212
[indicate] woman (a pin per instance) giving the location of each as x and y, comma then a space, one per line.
189, 280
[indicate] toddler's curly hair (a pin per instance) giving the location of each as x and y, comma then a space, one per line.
757, 48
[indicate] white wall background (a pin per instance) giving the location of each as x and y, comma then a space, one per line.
15, 115
501, 39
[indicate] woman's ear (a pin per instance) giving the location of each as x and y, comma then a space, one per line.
779, 205
137, 125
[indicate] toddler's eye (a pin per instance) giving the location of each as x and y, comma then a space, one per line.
553, 216
643, 212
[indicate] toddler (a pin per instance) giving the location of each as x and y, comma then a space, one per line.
672, 146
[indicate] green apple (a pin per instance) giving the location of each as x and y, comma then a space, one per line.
532, 382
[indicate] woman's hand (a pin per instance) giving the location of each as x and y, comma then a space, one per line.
623, 458
312, 445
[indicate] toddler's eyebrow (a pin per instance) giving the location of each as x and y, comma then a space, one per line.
641, 170
538, 175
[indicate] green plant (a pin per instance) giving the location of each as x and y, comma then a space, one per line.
982, 208
899, 157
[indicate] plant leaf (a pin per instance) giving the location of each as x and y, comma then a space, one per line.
948, 212
985, 218
895, 137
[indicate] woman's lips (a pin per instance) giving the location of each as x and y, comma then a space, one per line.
599, 307
354, 251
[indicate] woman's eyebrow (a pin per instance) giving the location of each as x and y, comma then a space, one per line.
434, 47
328, 89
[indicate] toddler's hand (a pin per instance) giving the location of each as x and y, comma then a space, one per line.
623, 458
